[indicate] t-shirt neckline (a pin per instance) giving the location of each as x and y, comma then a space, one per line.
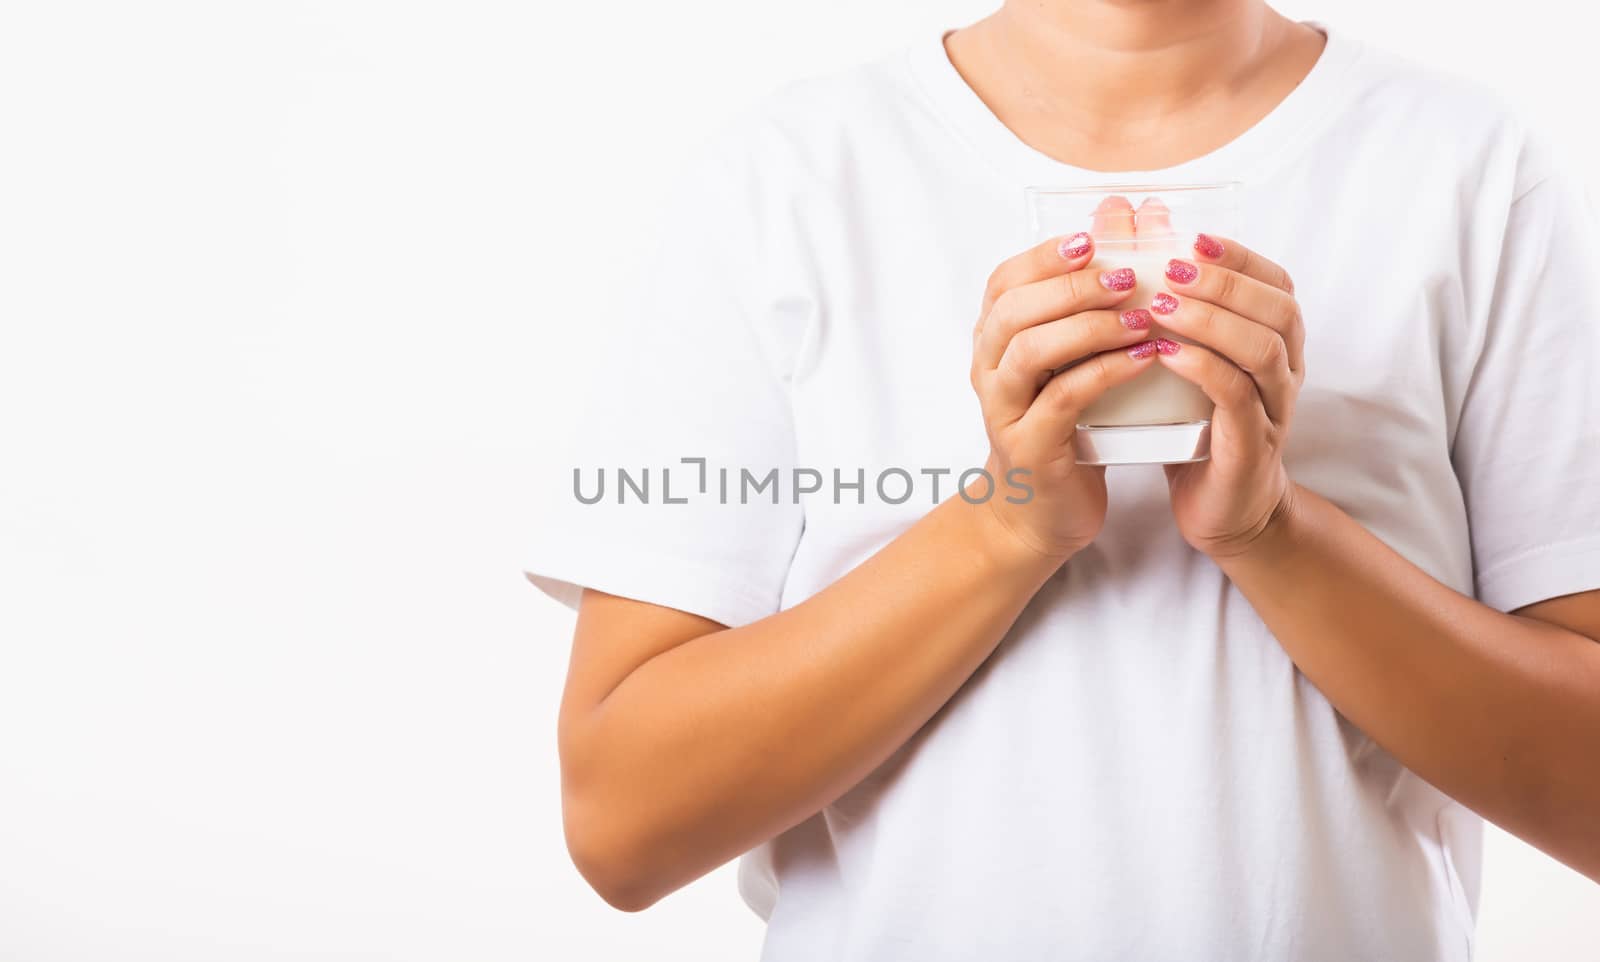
1243, 158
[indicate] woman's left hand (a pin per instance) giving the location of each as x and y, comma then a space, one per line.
1249, 358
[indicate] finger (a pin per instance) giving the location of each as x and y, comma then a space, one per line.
1254, 348
1239, 293
1054, 414
1047, 300
1035, 354
1229, 253
1058, 255
1238, 404
1113, 219
1152, 225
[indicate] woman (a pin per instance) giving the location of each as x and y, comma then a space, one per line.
1241, 708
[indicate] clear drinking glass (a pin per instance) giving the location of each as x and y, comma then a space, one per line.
1158, 417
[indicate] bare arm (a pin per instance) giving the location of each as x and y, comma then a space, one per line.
1499, 711
720, 738
684, 743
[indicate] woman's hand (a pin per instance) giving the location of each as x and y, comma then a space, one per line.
1249, 358
1049, 341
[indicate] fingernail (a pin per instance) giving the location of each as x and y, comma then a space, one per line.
1166, 346
1137, 319
1182, 272
1163, 303
1208, 246
1142, 350
1121, 279
1075, 246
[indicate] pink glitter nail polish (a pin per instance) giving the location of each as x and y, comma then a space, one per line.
1121, 279
1208, 246
1074, 247
1181, 272
1142, 350
1166, 346
1163, 303
1138, 319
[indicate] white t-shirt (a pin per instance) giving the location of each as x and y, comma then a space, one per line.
1138, 772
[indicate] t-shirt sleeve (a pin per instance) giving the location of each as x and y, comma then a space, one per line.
1527, 448
688, 395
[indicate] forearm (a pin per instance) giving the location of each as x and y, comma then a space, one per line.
726, 740
1498, 711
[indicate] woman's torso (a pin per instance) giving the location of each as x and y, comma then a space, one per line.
1138, 772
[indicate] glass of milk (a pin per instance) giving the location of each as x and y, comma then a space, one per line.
1158, 417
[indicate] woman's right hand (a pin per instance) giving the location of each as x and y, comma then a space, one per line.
666, 714
1049, 341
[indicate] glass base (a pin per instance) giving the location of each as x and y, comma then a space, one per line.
1143, 443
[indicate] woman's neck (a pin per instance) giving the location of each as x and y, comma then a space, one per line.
1132, 84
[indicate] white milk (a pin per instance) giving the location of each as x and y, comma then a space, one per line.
1157, 396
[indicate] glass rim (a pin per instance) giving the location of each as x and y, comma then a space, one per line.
1043, 190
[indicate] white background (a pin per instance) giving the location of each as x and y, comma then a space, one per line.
292, 294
